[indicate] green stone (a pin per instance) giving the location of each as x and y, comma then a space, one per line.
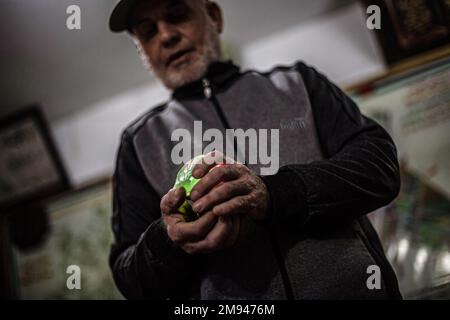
187, 181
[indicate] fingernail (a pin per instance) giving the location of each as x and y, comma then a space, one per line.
196, 173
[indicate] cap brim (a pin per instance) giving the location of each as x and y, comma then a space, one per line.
118, 21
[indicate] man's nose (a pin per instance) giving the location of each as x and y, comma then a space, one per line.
168, 34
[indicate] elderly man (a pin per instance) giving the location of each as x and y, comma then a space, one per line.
300, 233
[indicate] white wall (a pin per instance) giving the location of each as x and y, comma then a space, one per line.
338, 44
88, 141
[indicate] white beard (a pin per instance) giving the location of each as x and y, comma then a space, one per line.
194, 69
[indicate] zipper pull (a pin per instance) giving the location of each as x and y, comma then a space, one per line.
206, 88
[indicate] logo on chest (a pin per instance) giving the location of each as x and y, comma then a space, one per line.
294, 123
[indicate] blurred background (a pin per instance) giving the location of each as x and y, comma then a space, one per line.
67, 94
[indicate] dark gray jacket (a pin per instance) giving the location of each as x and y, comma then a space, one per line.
335, 167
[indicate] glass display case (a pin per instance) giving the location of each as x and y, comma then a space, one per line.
415, 229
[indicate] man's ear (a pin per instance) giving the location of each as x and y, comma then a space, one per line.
215, 13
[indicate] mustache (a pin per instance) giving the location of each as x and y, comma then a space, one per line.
178, 54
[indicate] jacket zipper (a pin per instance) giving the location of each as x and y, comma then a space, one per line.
208, 92
209, 95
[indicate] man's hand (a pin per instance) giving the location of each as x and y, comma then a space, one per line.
228, 188
207, 234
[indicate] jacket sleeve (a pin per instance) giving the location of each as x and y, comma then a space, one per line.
360, 170
143, 260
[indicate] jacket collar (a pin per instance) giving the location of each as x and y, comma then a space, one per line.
219, 75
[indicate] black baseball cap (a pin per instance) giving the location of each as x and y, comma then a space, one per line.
118, 21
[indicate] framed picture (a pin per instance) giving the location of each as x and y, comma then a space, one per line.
410, 27
30, 167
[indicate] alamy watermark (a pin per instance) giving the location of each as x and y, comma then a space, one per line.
74, 280
374, 280
262, 146
73, 21
374, 20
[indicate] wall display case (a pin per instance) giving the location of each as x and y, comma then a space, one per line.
415, 229
79, 235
